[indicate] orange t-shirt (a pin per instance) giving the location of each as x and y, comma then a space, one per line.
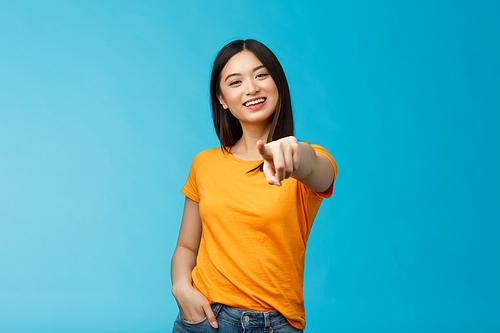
254, 237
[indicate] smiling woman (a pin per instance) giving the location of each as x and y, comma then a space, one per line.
248, 92
227, 127
239, 260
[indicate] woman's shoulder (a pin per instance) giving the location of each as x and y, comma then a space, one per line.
209, 154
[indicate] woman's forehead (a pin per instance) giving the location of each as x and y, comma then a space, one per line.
241, 62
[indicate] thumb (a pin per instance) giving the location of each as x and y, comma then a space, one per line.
263, 150
210, 316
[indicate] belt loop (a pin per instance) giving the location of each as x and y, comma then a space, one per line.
267, 321
217, 309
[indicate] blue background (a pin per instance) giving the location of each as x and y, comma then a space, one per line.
103, 105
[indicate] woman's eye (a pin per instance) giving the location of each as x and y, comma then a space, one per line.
262, 75
234, 82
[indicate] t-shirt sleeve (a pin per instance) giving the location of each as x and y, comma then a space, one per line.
190, 189
323, 152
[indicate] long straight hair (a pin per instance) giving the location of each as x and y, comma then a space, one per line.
227, 127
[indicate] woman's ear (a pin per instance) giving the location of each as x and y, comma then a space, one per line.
222, 101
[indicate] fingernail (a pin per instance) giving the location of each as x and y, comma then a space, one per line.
215, 325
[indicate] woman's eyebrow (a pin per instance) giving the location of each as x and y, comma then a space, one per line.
236, 74
230, 75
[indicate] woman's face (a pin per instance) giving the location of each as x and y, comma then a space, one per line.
248, 90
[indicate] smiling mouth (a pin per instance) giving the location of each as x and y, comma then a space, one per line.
255, 101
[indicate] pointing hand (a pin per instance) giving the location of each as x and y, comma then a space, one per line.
281, 158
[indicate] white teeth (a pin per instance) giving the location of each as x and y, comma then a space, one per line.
257, 101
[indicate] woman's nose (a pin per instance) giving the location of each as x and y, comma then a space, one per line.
252, 88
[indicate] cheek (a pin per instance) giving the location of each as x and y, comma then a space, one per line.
272, 88
275, 103
231, 98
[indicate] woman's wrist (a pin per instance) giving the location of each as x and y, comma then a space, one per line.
307, 161
180, 288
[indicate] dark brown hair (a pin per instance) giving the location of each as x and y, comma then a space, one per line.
227, 127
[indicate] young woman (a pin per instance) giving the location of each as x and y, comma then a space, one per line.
250, 204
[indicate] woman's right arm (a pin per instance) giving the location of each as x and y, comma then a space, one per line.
193, 305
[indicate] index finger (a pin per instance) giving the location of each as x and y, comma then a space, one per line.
263, 150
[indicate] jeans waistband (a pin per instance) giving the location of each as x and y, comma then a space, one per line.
248, 318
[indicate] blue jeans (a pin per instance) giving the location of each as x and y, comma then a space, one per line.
232, 320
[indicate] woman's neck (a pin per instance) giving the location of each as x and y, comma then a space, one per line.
246, 147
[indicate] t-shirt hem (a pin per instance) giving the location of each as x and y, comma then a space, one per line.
190, 195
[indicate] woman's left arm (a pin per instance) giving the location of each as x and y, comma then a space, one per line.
287, 157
